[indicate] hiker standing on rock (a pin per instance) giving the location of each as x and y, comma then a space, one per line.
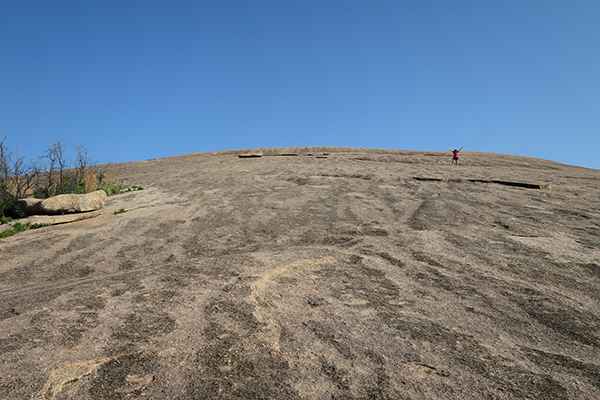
455, 159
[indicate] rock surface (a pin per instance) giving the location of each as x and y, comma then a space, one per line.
65, 203
346, 274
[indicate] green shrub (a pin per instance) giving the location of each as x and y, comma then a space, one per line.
9, 206
16, 228
19, 227
71, 188
41, 192
134, 188
110, 188
121, 211
38, 225
114, 188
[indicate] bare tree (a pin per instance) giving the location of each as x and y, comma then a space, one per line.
25, 177
19, 171
46, 176
5, 161
6, 199
61, 161
16, 178
55, 162
82, 162
49, 162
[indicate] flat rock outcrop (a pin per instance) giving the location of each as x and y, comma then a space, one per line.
313, 273
64, 203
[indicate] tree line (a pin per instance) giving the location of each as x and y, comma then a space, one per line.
48, 175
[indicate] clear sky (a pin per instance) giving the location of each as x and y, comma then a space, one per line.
140, 79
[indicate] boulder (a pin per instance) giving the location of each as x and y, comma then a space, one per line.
64, 203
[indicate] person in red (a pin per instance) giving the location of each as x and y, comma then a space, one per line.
455, 159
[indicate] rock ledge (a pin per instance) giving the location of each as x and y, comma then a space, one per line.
64, 203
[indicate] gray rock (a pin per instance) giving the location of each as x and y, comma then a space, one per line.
64, 203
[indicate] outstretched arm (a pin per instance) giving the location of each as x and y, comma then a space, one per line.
461, 148
450, 149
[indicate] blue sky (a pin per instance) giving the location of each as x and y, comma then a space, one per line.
133, 80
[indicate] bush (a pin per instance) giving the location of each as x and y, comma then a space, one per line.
19, 227
9, 206
16, 228
71, 188
110, 188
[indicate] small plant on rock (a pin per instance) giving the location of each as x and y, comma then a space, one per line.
19, 227
134, 188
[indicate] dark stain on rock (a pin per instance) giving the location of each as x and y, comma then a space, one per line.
238, 312
391, 260
337, 376
327, 335
72, 270
233, 364
591, 268
568, 364
143, 325
72, 331
580, 325
316, 301
27, 339
427, 216
422, 257
468, 352
8, 313
164, 230
110, 381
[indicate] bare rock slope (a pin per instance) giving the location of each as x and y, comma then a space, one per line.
313, 273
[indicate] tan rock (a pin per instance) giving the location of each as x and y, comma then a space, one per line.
65, 203
387, 274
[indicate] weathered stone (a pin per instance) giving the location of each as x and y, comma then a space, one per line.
373, 274
64, 203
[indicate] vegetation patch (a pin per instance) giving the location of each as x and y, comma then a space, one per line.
51, 174
110, 188
19, 227
115, 188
